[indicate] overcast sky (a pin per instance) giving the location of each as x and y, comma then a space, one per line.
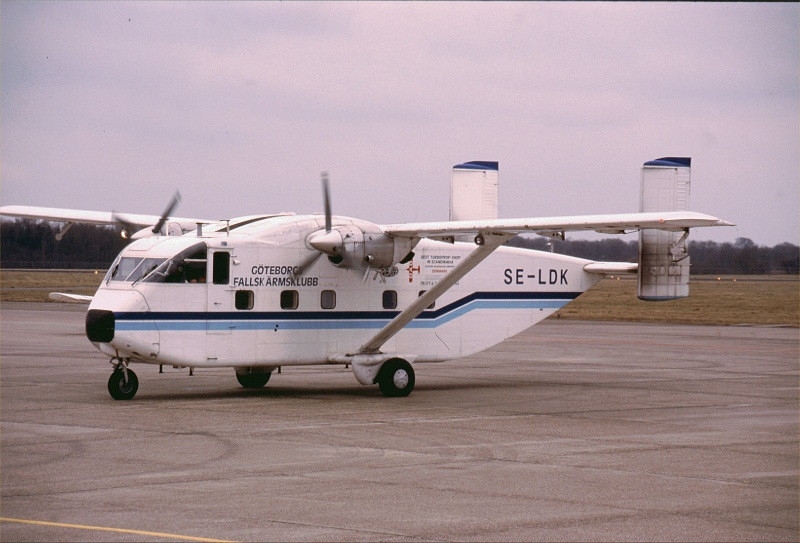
114, 106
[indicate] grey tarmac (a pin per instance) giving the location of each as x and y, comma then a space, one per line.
571, 431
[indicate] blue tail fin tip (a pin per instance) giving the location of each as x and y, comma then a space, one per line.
477, 165
679, 162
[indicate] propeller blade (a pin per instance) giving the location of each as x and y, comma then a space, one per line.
326, 196
328, 243
128, 228
306, 263
176, 199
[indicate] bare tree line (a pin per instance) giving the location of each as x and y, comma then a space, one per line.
25, 243
742, 257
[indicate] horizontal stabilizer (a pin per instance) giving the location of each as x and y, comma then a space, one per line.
611, 267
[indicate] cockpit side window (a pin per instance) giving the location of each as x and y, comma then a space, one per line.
188, 266
145, 267
195, 270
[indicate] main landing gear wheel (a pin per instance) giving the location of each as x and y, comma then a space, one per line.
253, 379
122, 388
396, 378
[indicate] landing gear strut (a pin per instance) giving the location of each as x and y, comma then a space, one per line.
123, 383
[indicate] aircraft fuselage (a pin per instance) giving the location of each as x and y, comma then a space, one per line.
260, 297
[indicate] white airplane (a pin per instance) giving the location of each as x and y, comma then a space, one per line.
259, 292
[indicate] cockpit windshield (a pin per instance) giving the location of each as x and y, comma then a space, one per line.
131, 269
187, 266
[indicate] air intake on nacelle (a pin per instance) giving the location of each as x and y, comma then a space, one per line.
663, 255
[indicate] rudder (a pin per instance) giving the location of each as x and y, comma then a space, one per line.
663, 254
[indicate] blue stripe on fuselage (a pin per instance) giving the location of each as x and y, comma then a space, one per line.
334, 320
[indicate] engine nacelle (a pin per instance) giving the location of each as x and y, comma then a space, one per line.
353, 246
170, 228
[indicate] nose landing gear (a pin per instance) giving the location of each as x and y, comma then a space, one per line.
123, 383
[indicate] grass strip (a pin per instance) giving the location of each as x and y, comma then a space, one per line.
772, 300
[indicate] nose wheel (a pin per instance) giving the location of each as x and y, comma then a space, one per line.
123, 383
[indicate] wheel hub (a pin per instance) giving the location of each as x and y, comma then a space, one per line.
400, 379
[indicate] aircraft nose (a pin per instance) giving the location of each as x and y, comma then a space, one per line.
100, 325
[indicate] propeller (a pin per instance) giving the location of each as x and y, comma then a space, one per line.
130, 229
326, 197
354, 245
331, 241
176, 199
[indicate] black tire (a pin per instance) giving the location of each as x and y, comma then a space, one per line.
119, 389
253, 379
396, 378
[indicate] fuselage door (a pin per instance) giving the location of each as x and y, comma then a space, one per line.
220, 293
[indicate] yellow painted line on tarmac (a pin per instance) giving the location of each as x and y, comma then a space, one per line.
115, 530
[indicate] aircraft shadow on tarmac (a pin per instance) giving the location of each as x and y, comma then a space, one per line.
333, 391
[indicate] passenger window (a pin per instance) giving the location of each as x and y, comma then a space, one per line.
244, 299
290, 299
433, 304
222, 267
327, 299
390, 299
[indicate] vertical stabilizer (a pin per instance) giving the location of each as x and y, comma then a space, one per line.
473, 191
663, 255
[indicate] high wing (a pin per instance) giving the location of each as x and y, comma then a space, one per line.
96, 217
675, 221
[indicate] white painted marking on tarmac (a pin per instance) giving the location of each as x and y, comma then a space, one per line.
177, 537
